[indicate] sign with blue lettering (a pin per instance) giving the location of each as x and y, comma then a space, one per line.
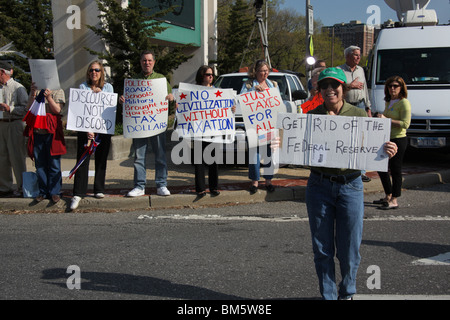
92, 112
146, 110
204, 112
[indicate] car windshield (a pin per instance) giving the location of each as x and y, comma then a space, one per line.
236, 82
415, 66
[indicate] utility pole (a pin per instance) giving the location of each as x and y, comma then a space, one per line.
262, 29
309, 34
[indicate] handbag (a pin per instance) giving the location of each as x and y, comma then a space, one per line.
30, 186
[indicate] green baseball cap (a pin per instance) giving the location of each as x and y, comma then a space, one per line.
333, 73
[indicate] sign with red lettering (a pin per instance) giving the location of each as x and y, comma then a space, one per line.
260, 112
146, 110
204, 112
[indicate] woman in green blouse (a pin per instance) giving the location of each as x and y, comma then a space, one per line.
398, 109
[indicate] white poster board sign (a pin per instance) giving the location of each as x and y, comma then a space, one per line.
146, 110
92, 112
44, 73
334, 141
204, 112
260, 111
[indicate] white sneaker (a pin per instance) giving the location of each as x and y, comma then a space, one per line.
75, 202
163, 191
99, 195
136, 192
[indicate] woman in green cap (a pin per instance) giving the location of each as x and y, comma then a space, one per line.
335, 201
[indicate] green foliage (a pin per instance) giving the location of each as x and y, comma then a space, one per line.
234, 38
29, 24
128, 32
286, 36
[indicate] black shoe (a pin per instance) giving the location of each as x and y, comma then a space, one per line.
365, 178
214, 193
270, 188
253, 189
381, 201
201, 194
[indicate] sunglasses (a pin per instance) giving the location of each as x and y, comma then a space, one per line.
96, 70
208, 75
393, 86
324, 85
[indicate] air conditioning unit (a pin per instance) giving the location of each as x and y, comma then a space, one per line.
420, 17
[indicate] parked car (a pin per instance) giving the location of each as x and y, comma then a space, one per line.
291, 90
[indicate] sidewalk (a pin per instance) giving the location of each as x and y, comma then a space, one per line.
290, 184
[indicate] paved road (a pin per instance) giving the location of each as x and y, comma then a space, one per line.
259, 251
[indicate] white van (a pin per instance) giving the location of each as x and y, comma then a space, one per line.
421, 56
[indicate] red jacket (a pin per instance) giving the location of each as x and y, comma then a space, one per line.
55, 127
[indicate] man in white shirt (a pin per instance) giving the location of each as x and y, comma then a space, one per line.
358, 95
13, 102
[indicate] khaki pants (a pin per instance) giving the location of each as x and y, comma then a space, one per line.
12, 154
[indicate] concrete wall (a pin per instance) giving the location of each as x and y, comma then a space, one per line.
72, 59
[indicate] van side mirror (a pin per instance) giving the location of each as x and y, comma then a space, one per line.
299, 95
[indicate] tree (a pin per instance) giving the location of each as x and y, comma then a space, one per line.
128, 32
29, 24
234, 37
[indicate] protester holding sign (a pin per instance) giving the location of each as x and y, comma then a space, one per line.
205, 77
398, 109
95, 82
47, 146
259, 82
335, 201
158, 141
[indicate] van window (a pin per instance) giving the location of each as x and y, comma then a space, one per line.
415, 66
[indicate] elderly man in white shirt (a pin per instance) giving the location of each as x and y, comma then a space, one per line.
358, 94
13, 101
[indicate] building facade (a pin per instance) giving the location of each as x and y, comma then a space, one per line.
354, 33
195, 21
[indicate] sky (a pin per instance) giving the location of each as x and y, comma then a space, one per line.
331, 12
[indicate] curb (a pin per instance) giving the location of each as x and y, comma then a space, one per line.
154, 202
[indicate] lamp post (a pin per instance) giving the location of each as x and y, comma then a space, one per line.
309, 33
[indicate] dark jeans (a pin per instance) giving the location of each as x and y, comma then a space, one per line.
101, 157
213, 172
395, 167
48, 167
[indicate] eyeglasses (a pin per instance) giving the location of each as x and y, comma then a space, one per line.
393, 86
208, 75
324, 85
96, 70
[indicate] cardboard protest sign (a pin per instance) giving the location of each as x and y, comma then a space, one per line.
146, 110
44, 73
260, 111
204, 112
92, 112
334, 141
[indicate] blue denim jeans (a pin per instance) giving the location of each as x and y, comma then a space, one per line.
255, 155
48, 167
335, 212
140, 145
